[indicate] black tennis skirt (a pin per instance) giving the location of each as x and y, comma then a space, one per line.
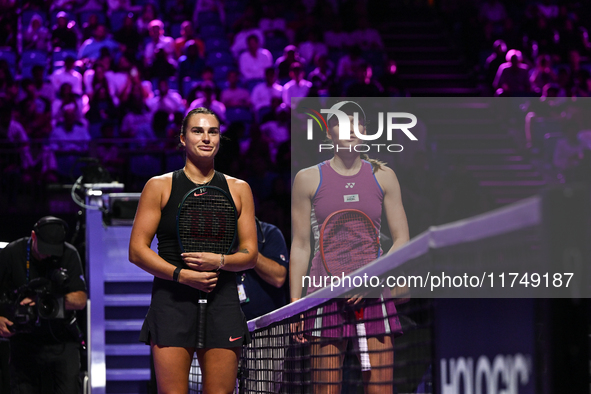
172, 317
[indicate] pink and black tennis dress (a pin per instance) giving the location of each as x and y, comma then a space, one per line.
337, 192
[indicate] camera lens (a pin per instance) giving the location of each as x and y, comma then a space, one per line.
48, 307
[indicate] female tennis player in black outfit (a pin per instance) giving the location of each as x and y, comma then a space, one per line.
170, 325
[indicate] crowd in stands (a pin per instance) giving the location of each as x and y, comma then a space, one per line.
114, 78
538, 49
110, 78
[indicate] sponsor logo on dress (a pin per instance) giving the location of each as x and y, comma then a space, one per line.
350, 185
351, 198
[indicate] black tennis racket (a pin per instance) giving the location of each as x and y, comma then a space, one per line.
206, 222
348, 241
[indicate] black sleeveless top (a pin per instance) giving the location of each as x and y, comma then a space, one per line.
172, 317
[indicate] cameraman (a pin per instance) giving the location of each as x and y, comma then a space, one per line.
45, 355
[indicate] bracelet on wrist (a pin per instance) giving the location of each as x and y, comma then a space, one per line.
176, 274
221, 262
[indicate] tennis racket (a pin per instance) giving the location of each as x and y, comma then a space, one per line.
348, 241
206, 222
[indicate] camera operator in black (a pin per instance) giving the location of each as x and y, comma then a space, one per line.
46, 359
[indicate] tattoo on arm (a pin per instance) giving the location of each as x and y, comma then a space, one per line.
245, 251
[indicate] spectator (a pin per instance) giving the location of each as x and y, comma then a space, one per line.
37, 36
366, 37
91, 48
235, 96
160, 122
178, 10
297, 88
513, 76
119, 78
162, 66
101, 106
34, 111
8, 29
148, 14
166, 100
569, 153
271, 23
67, 75
581, 84
137, 123
188, 34
65, 97
197, 91
495, 60
90, 26
240, 43
255, 60
336, 37
129, 37
263, 93
12, 132
44, 88
277, 131
548, 10
96, 78
92, 5
191, 64
157, 41
283, 63
70, 135
542, 74
121, 5
312, 48
64, 34
364, 86
349, 63
209, 6
324, 69
543, 34
208, 101
492, 11
563, 80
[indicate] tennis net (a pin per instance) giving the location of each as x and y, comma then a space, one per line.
423, 339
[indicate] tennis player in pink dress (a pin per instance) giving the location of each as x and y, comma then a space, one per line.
347, 181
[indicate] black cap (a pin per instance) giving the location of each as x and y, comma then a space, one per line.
51, 235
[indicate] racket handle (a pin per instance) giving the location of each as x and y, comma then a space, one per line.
363, 348
201, 318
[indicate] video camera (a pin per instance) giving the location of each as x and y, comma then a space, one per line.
48, 295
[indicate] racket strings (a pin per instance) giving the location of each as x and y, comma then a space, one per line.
207, 223
350, 241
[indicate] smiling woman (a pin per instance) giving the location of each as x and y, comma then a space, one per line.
171, 324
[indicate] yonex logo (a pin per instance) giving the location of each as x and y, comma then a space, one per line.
350, 185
